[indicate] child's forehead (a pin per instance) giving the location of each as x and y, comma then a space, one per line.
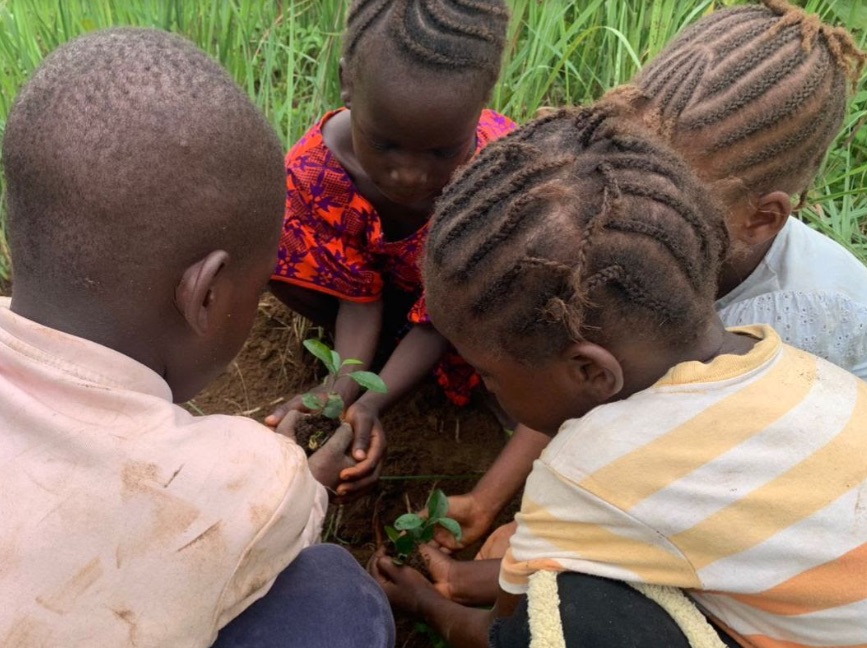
418, 111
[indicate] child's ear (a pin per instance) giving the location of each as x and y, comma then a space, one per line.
596, 368
345, 84
196, 292
763, 219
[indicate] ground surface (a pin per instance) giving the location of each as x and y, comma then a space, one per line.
430, 442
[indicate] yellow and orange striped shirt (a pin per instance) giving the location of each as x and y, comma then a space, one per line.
743, 481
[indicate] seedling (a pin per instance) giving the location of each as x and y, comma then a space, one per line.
329, 404
411, 530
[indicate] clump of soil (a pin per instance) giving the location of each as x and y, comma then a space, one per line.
314, 430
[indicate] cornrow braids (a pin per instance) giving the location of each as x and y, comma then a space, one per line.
450, 35
575, 226
751, 96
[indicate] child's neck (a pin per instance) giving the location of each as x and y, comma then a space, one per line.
742, 262
104, 323
642, 369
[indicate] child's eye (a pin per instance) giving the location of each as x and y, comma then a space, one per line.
446, 154
380, 146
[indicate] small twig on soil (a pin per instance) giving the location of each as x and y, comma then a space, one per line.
192, 405
250, 412
333, 525
379, 538
243, 383
457, 429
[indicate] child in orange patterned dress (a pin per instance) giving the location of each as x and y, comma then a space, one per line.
361, 186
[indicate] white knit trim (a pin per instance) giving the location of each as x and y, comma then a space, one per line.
543, 609
686, 615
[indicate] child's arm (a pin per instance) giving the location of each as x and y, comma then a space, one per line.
475, 511
460, 626
414, 357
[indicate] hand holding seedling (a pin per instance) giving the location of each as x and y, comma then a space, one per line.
329, 460
326, 403
405, 587
474, 520
411, 530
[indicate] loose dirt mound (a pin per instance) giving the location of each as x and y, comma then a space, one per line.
431, 443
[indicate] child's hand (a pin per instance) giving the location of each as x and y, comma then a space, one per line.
368, 449
404, 586
443, 571
474, 518
327, 462
294, 404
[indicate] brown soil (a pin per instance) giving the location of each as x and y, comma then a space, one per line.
431, 443
313, 431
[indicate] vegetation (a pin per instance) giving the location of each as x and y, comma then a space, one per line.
328, 403
411, 530
285, 53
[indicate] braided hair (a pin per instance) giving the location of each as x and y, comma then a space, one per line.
751, 96
570, 225
445, 35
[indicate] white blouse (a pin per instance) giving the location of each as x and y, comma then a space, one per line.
812, 291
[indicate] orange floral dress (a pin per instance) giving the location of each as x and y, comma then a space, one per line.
333, 242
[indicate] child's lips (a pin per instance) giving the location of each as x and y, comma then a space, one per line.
408, 197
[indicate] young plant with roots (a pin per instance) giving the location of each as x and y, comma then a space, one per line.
411, 530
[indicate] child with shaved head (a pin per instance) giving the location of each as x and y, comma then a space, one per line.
145, 195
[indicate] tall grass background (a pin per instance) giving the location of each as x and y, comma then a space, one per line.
285, 53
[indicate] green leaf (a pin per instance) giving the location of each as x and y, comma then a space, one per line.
351, 361
369, 380
322, 351
437, 505
408, 521
404, 546
333, 406
392, 533
335, 361
427, 533
312, 401
451, 526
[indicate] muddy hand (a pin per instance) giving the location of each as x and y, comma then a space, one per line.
441, 567
287, 424
368, 449
404, 586
327, 463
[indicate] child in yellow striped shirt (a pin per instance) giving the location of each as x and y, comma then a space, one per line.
574, 264
752, 97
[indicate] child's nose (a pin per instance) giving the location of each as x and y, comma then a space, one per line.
409, 175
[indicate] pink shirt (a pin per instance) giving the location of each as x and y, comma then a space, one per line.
124, 519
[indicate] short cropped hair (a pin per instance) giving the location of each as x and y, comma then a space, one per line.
130, 151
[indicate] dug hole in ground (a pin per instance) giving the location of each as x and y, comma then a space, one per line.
431, 443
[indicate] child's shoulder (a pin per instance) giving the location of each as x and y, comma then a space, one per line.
800, 250
493, 125
311, 145
312, 166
